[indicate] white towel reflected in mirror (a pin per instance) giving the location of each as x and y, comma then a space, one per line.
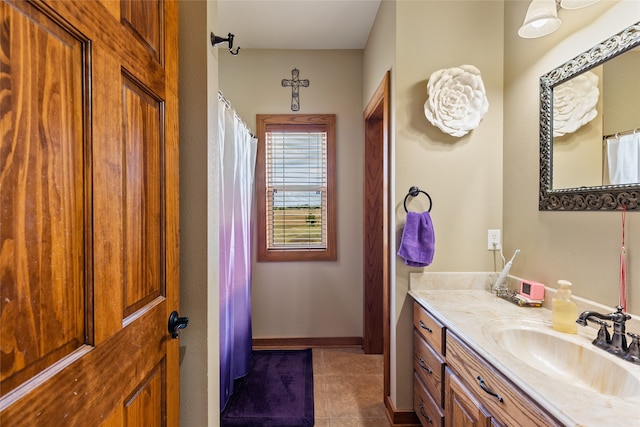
622, 159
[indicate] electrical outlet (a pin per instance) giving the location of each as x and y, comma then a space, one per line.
493, 240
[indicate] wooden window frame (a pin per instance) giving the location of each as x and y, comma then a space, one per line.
296, 122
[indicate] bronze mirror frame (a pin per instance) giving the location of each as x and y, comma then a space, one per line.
597, 198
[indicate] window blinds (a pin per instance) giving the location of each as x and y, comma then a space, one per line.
296, 190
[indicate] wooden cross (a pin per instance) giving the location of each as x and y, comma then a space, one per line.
295, 83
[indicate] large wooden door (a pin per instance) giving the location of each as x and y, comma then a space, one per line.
89, 239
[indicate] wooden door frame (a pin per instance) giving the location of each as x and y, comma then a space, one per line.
376, 130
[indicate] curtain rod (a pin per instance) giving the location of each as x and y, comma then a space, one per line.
626, 132
228, 105
223, 99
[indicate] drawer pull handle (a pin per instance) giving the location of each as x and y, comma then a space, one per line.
487, 390
424, 414
424, 366
423, 326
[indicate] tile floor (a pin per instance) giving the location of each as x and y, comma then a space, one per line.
348, 388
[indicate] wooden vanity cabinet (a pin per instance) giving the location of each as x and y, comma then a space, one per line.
497, 396
428, 366
454, 386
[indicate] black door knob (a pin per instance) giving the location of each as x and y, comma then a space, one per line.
176, 323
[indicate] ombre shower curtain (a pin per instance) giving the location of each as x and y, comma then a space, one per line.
622, 158
237, 170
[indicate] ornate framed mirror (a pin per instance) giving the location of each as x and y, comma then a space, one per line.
586, 105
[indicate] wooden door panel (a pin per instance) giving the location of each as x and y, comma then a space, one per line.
97, 382
89, 254
142, 140
374, 229
144, 18
140, 407
42, 188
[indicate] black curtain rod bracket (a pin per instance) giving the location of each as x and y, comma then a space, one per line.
217, 40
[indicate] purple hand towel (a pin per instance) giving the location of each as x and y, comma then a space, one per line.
418, 240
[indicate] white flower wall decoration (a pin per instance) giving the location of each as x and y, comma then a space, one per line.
456, 101
574, 103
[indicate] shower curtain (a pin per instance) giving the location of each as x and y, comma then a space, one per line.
237, 170
622, 163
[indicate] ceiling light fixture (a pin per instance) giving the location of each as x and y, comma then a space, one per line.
576, 4
542, 16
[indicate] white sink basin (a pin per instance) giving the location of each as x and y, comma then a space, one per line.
566, 357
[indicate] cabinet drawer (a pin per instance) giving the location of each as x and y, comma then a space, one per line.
432, 330
503, 400
429, 366
427, 410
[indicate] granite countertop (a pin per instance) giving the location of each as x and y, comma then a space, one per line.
471, 314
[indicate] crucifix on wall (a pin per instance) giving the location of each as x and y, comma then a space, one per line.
295, 84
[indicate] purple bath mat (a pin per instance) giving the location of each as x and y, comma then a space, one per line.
277, 391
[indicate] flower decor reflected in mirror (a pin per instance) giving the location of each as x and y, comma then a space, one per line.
587, 106
574, 103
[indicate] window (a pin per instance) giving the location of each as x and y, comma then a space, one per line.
295, 184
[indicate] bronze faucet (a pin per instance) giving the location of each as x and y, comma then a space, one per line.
617, 343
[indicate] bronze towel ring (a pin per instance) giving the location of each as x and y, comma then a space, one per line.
414, 192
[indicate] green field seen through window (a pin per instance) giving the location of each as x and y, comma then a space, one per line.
295, 226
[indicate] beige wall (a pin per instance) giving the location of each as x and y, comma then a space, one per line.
462, 175
380, 52
309, 299
622, 96
199, 344
582, 247
379, 58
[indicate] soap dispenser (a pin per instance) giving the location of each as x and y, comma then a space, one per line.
564, 311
